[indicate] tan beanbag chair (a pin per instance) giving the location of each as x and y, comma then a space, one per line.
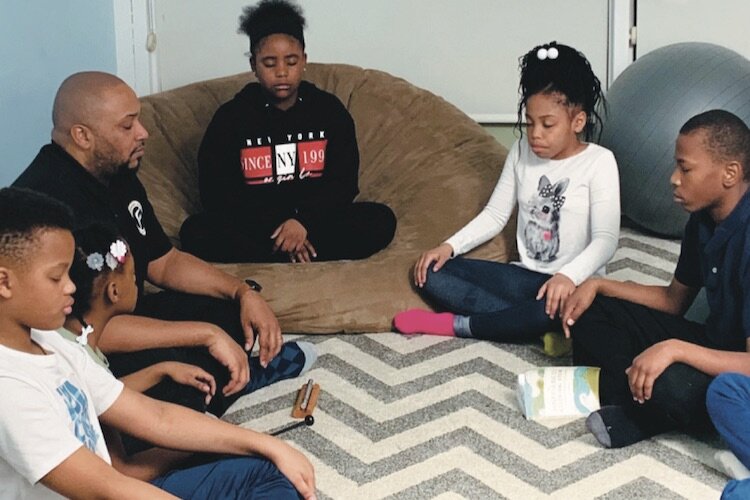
420, 155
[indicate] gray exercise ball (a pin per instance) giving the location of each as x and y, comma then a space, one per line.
648, 103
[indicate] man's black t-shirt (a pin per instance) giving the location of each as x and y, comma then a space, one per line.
122, 205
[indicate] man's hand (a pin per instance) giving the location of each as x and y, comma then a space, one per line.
647, 367
258, 319
439, 255
577, 303
558, 288
289, 237
194, 376
227, 352
297, 468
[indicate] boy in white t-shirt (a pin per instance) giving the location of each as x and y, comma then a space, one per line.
54, 394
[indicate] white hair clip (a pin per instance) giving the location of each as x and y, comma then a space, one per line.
550, 53
118, 249
116, 255
95, 261
111, 261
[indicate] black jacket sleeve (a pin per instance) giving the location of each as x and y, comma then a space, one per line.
219, 176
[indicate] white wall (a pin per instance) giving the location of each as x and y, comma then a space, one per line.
41, 43
464, 51
723, 22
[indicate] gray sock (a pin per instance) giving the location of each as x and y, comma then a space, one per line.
619, 426
461, 326
311, 355
596, 426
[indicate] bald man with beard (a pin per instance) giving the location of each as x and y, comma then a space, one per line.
204, 317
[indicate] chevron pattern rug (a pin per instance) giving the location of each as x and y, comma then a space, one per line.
427, 417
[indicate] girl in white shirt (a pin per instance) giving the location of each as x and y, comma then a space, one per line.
568, 198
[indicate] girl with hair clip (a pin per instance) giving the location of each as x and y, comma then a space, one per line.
104, 274
103, 271
105, 284
568, 198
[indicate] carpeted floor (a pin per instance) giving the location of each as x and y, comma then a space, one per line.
427, 417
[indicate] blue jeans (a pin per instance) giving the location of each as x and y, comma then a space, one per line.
728, 402
736, 490
499, 299
231, 478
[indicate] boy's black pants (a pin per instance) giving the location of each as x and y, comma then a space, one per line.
612, 332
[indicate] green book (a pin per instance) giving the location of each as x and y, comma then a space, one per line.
558, 391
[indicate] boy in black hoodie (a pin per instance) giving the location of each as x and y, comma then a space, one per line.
278, 166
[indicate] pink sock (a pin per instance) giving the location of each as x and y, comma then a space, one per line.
421, 321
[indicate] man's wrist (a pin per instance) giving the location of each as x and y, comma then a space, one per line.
254, 285
247, 287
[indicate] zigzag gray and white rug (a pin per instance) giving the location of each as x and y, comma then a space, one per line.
428, 417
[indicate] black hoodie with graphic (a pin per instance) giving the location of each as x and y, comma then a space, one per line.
259, 164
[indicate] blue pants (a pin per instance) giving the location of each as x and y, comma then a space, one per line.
736, 490
500, 299
233, 478
728, 402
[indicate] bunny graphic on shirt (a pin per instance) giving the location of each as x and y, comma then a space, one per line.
542, 232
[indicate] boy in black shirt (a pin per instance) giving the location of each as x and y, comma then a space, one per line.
657, 365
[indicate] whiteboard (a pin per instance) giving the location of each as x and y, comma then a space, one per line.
467, 51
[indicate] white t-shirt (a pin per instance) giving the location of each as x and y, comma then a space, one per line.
568, 211
48, 409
